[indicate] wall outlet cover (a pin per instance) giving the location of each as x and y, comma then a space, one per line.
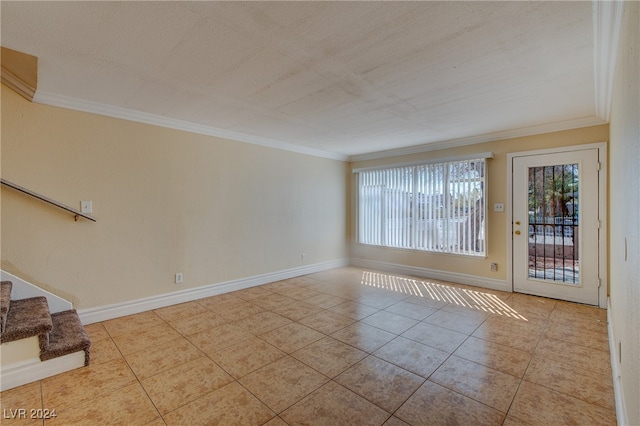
86, 206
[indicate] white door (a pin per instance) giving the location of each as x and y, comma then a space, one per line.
556, 225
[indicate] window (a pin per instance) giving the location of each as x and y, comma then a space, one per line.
435, 207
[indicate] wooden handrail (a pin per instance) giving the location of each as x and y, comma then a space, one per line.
75, 212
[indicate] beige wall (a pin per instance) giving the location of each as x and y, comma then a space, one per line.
496, 192
624, 208
166, 201
169, 201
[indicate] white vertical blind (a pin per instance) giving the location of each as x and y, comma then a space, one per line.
436, 207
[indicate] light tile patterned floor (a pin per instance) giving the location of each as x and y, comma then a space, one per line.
342, 347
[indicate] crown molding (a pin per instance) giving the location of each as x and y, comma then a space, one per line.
61, 101
19, 71
68, 102
488, 137
53, 99
607, 22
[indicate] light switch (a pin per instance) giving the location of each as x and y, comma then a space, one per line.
86, 207
498, 207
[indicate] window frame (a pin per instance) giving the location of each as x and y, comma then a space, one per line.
416, 243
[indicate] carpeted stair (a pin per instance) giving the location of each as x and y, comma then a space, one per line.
66, 337
5, 297
59, 334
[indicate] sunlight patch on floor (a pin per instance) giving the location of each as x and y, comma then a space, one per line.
472, 299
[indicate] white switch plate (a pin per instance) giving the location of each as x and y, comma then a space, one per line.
86, 207
498, 207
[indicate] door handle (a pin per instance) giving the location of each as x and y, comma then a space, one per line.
517, 232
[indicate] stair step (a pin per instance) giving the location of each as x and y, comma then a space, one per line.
5, 299
66, 337
27, 318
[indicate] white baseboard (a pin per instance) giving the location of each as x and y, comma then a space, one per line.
618, 390
22, 289
103, 313
483, 282
31, 370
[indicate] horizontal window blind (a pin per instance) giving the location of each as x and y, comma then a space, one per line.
437, 207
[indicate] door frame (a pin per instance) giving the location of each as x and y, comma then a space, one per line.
603, 243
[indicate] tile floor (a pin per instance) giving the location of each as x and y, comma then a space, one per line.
342, 347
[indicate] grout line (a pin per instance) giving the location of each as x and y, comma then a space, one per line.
314, 289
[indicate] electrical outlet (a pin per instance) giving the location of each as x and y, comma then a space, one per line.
498, 207
494, 267
179, 278
303, 257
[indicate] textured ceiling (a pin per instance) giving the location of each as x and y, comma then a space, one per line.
346, 78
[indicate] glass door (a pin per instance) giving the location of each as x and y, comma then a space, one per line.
555, 225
